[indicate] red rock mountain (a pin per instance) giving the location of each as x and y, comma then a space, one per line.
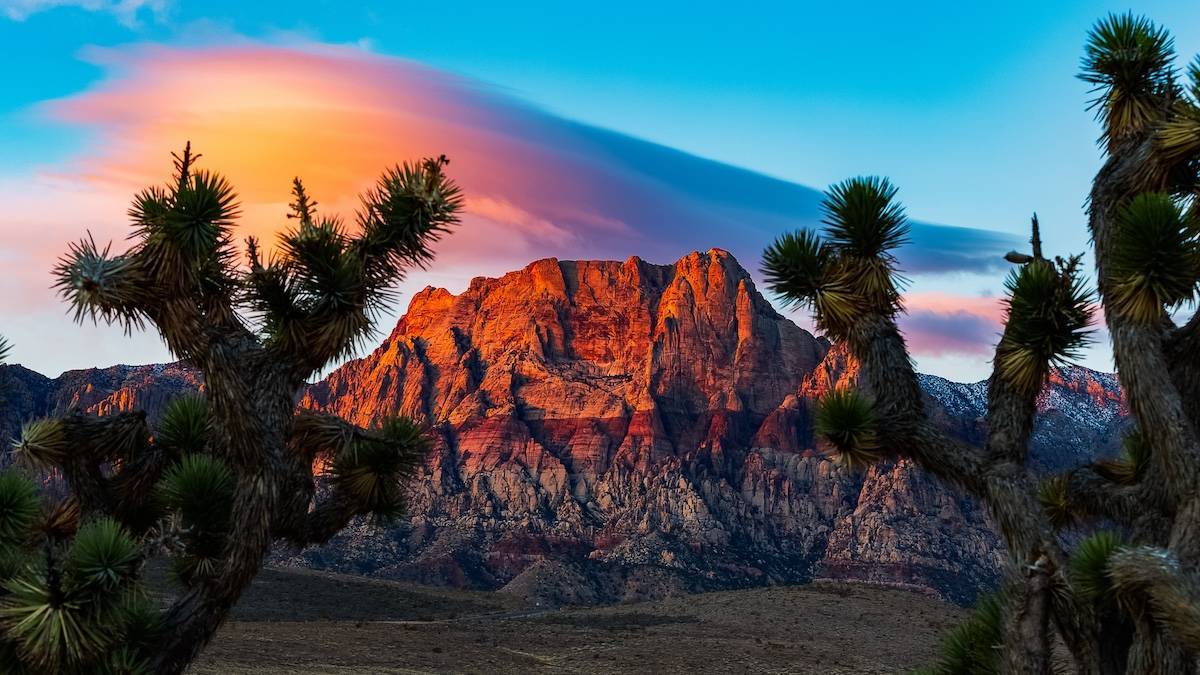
609, 430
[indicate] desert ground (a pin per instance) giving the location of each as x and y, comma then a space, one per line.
308, 622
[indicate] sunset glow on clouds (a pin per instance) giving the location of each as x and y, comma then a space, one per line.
537, 185
940, 324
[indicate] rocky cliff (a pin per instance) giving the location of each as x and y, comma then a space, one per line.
609, 430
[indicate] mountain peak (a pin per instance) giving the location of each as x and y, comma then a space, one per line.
637, 419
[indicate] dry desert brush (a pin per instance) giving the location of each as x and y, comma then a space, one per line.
226, 475
1124, 595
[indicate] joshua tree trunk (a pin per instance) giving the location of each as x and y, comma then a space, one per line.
225, 477
1127, 603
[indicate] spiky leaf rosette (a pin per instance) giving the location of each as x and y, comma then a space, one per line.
1155, 258
864, 223
123, 661
19, 507
314, 435
1048, 310
372, 472
200, 489
409, 209
5, 349
973, 647
1089, 566
185, 426
43, 443
1128, 61
1178, 138
103, 559
141, 623
184, 231
1129, 468
795, 266
1056, 501
61, 520
1153, 578
846, 421
100, 286
863, 218
803, 270
54, 631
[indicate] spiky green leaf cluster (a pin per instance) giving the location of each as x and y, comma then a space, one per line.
1048, 310
852, 271
1155, 258
323, 290
373, 471
100, 286
43, 443
973, 647
863, 218
185, 426
199, 491
66, 616
1128, 60
185, 231
5, 350
1177, 138
1129, 468
1055, 500
411, 206
19, 508
315, 434
1089, 572
103, 557
845, 419
796, 265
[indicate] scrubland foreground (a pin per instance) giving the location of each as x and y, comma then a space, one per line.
306, 622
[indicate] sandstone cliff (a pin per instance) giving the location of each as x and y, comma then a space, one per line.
609, 430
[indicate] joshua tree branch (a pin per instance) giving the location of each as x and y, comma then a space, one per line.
90, 442
101, 437
1146, 374
1183, 353
1172, 594
1131, 506
330, 516
1003, 485
1010, 421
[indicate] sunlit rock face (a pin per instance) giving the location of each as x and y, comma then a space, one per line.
25, 394
636, 429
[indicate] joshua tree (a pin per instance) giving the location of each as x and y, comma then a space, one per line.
1125, 600
225, 475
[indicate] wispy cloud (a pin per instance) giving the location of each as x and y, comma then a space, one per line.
538, 184
944, 324
336, 115
126, 11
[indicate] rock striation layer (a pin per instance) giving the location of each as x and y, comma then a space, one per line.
610, 430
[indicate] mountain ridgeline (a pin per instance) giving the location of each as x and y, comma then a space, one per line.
618, 430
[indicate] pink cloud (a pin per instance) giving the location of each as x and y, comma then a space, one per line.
943, 324
537, 185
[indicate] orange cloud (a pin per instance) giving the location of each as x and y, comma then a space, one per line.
334, 116
536, 185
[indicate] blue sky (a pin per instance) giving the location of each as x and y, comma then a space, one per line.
971, 108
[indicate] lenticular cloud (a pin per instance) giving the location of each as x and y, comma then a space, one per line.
537, 184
